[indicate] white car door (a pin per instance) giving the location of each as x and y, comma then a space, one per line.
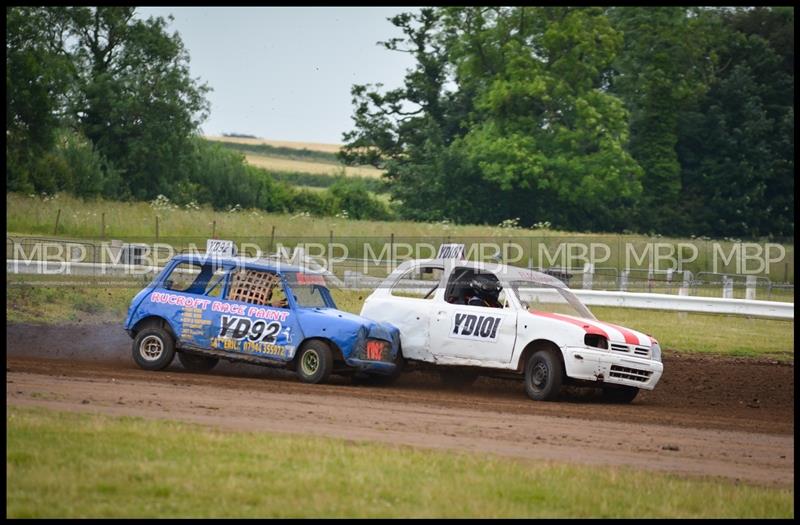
463, 332
408, 306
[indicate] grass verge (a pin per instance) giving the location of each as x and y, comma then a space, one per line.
61, 464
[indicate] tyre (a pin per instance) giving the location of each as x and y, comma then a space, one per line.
197, 363
544, 375
315, 361
153, 348
458, 377
619, 394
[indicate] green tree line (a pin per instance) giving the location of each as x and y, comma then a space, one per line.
675, 120
100, 103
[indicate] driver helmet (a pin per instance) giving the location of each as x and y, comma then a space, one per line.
486, 287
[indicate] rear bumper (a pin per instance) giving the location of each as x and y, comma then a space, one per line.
595, 365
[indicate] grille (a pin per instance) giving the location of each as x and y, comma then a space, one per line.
634, 374
637, 350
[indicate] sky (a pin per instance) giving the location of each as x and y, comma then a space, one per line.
285, 73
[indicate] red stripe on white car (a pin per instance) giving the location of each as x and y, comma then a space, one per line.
590, 328
630, 337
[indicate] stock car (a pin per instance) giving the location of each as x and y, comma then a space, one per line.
524, 323
257, 311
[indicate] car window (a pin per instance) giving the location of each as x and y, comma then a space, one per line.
420, 282
309, 290
257, 287
472, 287
217, 283
183, 277
540, 297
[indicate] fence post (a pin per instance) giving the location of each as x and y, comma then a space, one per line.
750, 290
330, 249
103, 225
687, 282
272, 238
623, 280
727, 287
588, 273
391, 249
214, 229
156, 228
58, 216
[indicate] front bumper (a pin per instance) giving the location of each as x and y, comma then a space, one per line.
590, 364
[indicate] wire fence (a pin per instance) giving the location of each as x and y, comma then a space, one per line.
330, 252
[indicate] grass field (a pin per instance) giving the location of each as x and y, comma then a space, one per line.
696, 333
136, 221
83, 465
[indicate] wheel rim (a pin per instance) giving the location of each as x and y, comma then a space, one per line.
310, 363
151, 348
539, 376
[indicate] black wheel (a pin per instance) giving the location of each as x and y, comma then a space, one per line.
544, 375
315, 361
619, 394
153, 348
197, 363
458, 377
361, 378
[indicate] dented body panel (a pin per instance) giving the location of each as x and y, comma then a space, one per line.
435, 330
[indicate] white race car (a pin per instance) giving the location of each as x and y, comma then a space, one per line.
467, 316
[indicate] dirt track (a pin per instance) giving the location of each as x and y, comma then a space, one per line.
708, 416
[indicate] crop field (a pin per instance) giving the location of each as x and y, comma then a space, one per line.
299, 157
291, 165
312, 146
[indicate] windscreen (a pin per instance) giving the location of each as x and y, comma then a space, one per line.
542, 297
309, 290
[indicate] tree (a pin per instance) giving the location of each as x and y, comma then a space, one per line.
136, 100
37, 78
123, 83
664, 68
505, 114
737, 148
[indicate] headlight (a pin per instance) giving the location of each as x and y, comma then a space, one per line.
655, 351
595, 340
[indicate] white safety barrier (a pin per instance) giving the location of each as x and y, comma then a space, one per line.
356, 280
685, 303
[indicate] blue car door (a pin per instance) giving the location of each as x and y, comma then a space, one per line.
254, 318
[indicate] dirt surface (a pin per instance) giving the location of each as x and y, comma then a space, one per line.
708, 416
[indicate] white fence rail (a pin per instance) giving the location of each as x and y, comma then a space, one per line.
356, 280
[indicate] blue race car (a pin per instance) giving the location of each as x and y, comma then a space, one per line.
257, 311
